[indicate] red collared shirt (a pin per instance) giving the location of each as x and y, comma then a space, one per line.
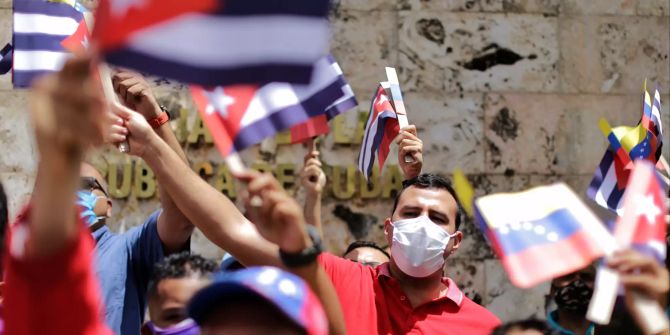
53, 294
373, 303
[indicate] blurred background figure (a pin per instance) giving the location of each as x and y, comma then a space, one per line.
258, 300
175, 280
572, 294
367, 253
523, 327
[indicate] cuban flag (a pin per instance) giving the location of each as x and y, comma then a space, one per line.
39, 29
380, 130
215, 42
642, 224
627, 144
240, 116
541, 233
79, 40
318, 125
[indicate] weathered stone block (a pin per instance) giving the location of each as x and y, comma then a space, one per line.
509, 302
547, 7
16, 135
363, 49
653, 8
479, 52
598, 7
611, 54
363, 4
450, 127
547, 134
5, 37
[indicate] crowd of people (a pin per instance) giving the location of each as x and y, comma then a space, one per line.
65, 272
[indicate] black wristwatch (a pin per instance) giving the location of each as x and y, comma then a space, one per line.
307, 255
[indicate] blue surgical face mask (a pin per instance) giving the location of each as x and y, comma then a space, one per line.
186, 327
87, 201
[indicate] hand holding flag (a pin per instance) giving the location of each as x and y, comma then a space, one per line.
410, 145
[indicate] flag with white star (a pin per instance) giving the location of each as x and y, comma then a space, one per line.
240, 116
642, 224
541, 233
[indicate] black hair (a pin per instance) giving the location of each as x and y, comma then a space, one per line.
365, 244
529, 324
431, 180
181, 265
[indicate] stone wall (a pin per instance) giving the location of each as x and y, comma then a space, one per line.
508, 90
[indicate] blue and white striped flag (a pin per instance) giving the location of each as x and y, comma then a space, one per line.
39, 28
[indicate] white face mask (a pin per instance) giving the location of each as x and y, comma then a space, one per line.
418, 246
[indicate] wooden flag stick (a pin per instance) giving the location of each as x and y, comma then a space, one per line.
398, 104
311, 147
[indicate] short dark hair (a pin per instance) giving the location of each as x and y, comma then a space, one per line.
431, 180
365, 244
181, 265
529, 324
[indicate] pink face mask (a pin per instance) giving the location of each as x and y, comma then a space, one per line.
186, 327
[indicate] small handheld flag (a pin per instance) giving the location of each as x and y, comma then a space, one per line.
215, 42
626, 144
398, 103
380, 130
240, 116
527, 229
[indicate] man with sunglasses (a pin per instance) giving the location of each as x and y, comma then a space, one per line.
124, 261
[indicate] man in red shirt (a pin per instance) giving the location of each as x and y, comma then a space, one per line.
407, 295
50, 286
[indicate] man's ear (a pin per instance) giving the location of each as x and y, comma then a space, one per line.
388, 231
109, 208
456, 238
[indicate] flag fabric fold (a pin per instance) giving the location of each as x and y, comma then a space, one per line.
215, 42
626, 145
642, 224
528, 228
318, 125
240, 116
39, 29
6, 56
380, 130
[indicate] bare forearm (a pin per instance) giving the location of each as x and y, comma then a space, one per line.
210, 211
53, 213
318, 280
174, 226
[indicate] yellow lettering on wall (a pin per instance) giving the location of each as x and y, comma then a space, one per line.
203, 169
116, 191
224, 182
348, 182
181, 122
373, 188
262, 167
145, 181
199, 130
392, 181
286, 175
283, 138
342, 136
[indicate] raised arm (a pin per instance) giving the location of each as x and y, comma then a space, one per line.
211, 211
313, 180
174, 228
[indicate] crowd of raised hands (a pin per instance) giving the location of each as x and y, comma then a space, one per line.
288, 286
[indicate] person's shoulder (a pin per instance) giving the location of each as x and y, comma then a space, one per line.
483, 314
337, 266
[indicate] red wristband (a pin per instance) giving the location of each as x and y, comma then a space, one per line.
159, 120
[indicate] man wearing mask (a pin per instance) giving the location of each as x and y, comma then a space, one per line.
408, 294
572, 294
